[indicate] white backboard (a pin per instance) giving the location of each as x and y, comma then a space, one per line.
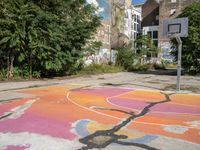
177, 26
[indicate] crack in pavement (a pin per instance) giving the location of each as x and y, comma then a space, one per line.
6, 115
111, 109
103, 138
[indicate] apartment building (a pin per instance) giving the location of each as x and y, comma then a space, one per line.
121, 22
132, 22
103, 34
126, 22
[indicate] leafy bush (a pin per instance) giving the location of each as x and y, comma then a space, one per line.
36, 74
171, 65
159, 66
125, 58
96, 68
3, 74
140, 67
23, 73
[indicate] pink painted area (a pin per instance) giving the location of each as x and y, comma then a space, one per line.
34, 123
139, 105
131, 104
176, 108
11, 147
105, 91
6, 107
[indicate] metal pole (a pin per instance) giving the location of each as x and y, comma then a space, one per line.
179, 62
110, 28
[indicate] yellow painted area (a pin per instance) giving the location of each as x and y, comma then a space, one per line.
132, 134
88, 100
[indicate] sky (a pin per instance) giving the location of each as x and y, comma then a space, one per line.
138, 1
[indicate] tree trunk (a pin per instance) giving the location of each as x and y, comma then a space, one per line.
30, 63
11, 65
10, 62
8, 66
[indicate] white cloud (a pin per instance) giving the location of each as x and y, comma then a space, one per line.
96, 4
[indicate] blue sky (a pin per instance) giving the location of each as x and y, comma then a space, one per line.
138, 1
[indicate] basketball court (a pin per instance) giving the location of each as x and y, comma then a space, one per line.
76, 117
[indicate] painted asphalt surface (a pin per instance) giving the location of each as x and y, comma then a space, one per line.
71, 117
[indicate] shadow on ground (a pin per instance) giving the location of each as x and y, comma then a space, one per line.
172, 72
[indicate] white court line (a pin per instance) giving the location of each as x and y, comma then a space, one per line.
97, 112
89, 108
140, 99
157, 112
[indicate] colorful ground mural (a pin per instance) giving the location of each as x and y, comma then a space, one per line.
71, 117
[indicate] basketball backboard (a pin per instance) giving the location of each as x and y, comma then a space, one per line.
177, 26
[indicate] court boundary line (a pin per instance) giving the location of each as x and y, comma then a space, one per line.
100, 113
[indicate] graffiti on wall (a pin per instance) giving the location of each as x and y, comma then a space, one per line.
167, 58
101, 57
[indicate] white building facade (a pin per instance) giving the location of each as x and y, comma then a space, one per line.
132, 22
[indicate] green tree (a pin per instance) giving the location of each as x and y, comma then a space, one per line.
93, 46
145, 46
45, 35
191, 44
125, 57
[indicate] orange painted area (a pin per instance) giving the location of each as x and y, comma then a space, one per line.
187, 99
143, 95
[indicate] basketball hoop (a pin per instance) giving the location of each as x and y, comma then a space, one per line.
176, 28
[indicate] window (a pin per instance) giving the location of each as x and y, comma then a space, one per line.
132, 35
132, 25
155, 34
135, 26
173, 1
149, 33
138, 27
155, 42
138, 18
138, 34
135, 19
157, 17
135, 35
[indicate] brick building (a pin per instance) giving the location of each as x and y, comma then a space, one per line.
150, 19
170, 9
150, 13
